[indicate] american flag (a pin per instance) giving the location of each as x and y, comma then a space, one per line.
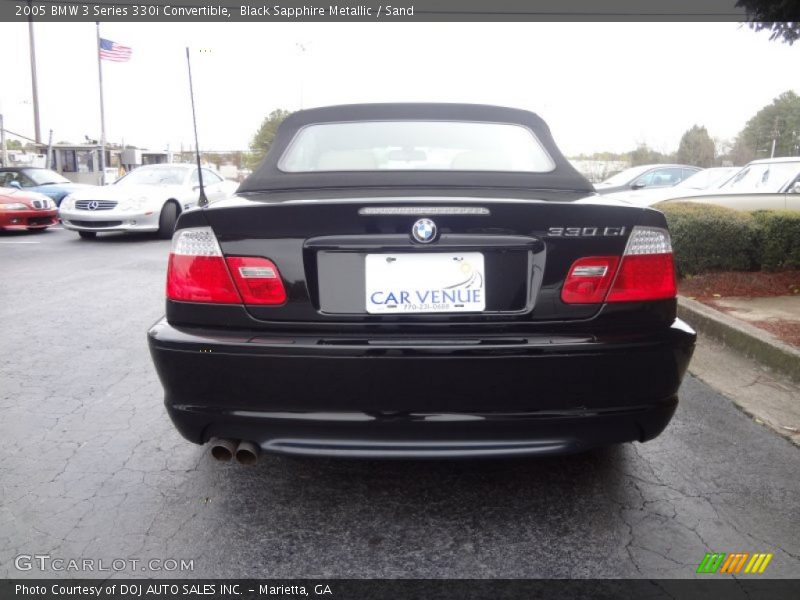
113, 51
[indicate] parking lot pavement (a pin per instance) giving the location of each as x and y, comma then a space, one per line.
92, 468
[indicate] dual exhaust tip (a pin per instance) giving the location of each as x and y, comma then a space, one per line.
246, 453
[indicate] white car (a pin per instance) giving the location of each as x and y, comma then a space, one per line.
149, 198
769, 183
700, 182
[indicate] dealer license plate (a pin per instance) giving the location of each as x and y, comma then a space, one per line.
425, 283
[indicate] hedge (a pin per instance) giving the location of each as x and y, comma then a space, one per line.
712, 238
779, 239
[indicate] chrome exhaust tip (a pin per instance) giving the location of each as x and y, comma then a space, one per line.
222, 449
247, 453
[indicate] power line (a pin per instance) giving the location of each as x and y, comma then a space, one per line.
19, 135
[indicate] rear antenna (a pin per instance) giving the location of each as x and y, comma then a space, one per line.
202, 200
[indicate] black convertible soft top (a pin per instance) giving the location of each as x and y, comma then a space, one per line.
269, 178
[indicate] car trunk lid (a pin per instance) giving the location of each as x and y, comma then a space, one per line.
329, 253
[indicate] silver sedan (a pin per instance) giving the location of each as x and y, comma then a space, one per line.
149, 198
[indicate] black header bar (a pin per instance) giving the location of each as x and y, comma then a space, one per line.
712, 586
370, 10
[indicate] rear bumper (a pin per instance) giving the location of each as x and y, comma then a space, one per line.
398, 397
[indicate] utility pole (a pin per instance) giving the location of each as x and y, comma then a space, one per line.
302, 47
775, 134
49, 159
3, 141
34, 83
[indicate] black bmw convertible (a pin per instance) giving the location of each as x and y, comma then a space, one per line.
414, 281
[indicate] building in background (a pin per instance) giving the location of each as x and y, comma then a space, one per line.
80, 162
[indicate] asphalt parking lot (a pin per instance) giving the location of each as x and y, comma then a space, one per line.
92, 467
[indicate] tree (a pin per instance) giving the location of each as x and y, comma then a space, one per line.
644, 155
777, 17
724, 148
779, 121
696, 148
606, 155
265, 135
14, 145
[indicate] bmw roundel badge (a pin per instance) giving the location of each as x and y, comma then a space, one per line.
424, 231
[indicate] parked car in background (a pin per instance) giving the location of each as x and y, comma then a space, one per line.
26, 210
646, 176
44, 181
388, 268
770, 183
701, 181
149, 198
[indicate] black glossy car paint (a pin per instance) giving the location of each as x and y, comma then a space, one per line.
529, 375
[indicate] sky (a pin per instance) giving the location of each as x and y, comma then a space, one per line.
600, 86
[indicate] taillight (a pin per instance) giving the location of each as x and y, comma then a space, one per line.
646, 272
258, 280
198, 272
588, 279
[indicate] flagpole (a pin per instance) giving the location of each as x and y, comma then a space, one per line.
102, 111
34, 83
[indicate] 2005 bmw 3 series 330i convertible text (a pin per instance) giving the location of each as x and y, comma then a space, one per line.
419, 280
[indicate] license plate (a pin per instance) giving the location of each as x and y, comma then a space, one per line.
425, 283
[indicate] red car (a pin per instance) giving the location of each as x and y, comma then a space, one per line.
26, 210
